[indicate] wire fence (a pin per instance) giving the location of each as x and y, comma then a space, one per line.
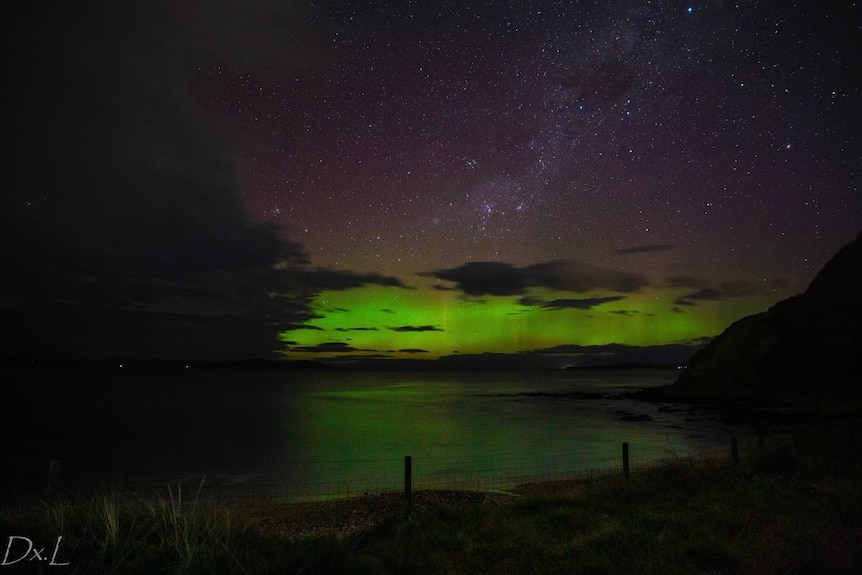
335, 479
316, 480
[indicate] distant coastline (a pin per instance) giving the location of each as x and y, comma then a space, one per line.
277, 364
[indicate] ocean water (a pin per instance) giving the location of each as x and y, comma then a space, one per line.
330, 433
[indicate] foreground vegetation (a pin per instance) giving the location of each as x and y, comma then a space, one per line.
793, 507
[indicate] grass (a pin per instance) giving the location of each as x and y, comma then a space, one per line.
795, 507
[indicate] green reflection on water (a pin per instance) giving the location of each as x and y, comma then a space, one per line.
468, 429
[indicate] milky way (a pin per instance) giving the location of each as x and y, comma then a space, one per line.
567, 129
541, 180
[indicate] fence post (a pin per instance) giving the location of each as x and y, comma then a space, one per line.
626, 459
408, 480
734, 450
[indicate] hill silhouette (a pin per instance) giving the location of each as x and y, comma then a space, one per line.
805, 351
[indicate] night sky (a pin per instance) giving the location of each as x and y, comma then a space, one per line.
490, 183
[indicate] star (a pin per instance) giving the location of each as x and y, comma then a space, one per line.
356, 152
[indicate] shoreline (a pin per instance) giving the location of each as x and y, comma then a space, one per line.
709, 514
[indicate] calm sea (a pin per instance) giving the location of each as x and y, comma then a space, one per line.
332, 432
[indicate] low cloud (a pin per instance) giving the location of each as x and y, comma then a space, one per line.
584, 303
725, 290
319, 279
630, 313
415, 328
502, 279
329, 347
648, 248
705, 294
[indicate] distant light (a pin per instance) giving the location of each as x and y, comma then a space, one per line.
690, 9
187, 366
120, 366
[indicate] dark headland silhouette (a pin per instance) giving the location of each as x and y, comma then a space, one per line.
805, 352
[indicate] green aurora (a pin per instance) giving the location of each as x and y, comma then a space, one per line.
397, 323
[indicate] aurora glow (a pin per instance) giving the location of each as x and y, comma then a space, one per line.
513, 184
429, 324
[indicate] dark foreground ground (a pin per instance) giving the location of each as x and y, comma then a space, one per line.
792, 506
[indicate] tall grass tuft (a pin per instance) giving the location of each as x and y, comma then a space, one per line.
110, 533
109, 514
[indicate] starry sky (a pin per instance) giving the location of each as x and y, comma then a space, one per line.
421, 183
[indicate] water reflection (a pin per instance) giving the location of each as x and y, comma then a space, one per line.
479, 429
332, 433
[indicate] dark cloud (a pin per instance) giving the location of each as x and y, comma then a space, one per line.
122, 224
705, 294
725, 290
413, 350
502, 279
356, 329
580, 277
329, 347
645, 249
415, 328
703, 291
630, 313
485, 278
317, 279
309, 327
699, 341
584, 303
